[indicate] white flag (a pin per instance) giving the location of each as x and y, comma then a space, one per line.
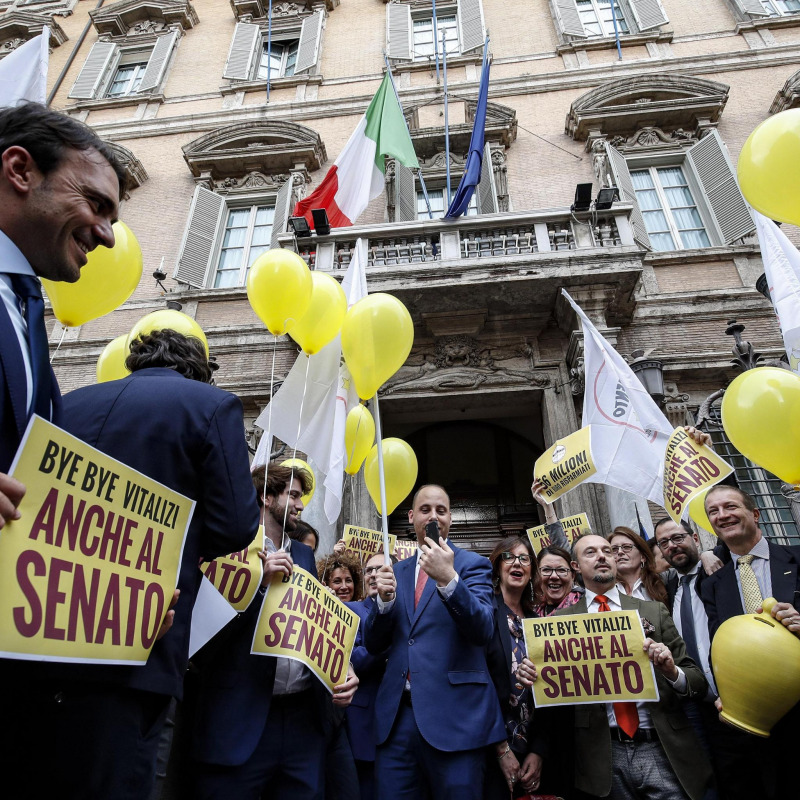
782, 268
629, 432
328, 397
23, 72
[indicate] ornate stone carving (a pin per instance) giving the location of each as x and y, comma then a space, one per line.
148, 26
142, 18
17, 27
500, 178
287, 10
253, 180
577, 377
13, 44
675, 405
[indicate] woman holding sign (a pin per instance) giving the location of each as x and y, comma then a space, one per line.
636, 566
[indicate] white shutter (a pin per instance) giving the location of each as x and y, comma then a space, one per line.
487, 192
197, 247
399, 36
157, 64
246, 39
282, 202
568, 18
710, 162
310, 36
470, 24
94, 70
624, 182
649, 14
405, 193
753, 7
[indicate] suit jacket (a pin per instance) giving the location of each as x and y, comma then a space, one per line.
370, 669
235, 691
13, 392
592, 732
442, 643
189, 436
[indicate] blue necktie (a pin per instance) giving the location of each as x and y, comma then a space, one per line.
687, 620
29, 291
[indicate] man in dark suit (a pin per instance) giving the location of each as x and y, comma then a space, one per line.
60, 187
259, 725
436, 708
652, 752
758, 569
100, 725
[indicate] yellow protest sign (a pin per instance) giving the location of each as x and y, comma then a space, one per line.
565, 464
237, 576
688, 469
589, 658
364, 542
574, 526
300, 619
404, 548
87, 573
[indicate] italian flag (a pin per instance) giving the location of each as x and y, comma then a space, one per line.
357, 176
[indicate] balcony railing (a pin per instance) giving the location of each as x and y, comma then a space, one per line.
523, 234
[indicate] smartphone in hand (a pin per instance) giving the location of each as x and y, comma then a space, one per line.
432, 531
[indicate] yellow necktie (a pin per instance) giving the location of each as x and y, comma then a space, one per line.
750, 590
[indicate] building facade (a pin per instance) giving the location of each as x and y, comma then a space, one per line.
226, 114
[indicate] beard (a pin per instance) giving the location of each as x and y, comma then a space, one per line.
604, 578
278, 513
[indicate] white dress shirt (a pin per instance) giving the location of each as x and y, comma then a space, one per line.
384, 607
700, 624
680, 684
639, 592
760, 565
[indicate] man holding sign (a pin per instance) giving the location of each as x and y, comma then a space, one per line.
634, 749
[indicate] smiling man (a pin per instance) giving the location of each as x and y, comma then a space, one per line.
60, 187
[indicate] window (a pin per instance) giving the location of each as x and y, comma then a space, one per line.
423, 37
781, 8
669, 209
247, 235
437, 198
126, 79
597, 17
282, 61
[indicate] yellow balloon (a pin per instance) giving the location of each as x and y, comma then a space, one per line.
111, 362
298, 462
697, 511
359, 436
324, 315
760, 414
399, 469
171, 319
769, 167
107, 281
279, 289
377, 335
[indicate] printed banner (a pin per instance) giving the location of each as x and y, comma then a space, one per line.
87, 573
688, 469
363, 543
589, 658
237, 576
404, 548
574, 526
302, 620
565, 464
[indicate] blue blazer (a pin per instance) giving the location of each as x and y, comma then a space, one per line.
443, 644
370, 669
235, 691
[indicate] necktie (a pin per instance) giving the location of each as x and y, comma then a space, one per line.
626, 713
29, 291
687, 620
422, 579
750, 589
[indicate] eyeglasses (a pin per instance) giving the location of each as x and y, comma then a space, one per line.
523, 559
621, 548
371, 570
668, 541
562, 572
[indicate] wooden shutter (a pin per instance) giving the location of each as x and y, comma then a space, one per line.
310, 36
245, 42
623, 181
753, 7
94, 70
197, 247
568, 18
470, 25
713, 169
157, 64
649, 14
405, 193
283, 201
399, 35
487, 192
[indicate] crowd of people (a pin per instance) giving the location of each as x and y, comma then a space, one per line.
438, 701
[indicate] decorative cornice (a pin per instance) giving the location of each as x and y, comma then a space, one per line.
140, 17
136, 173
18, 27
789, 96
255, 10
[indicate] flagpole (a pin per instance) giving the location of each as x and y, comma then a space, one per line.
269, 47
446, 121
435, 40
419, 171
382, 480
616, 27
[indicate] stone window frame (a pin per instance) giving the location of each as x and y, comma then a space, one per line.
134, 169
18, 27
788, 96
49, 8
756, 27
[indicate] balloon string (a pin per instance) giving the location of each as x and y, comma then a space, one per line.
382, 479
297, 438
269, 418
60, 341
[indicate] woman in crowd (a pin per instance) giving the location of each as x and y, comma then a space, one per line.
304, 533
636, 571
341, 573
517, 762
555, 585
